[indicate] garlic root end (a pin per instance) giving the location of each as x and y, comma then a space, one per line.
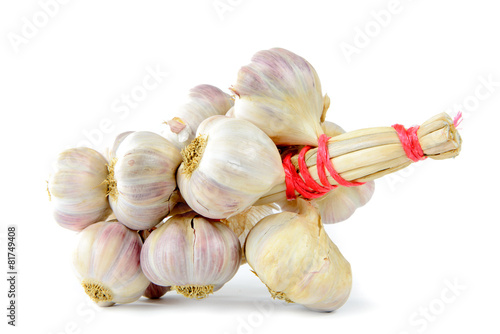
194, 291
97, 291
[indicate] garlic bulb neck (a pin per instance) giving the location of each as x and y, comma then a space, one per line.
194, 291
97, 291
192, 154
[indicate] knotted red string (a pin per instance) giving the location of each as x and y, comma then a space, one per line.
409, 140
304, 183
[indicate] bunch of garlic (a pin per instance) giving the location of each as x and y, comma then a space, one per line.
280, 92
192, 255
203, 101
78, 188
228, 167
107, 263
142, 179
293, 256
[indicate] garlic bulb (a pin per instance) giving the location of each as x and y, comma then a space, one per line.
243, 222
280, 92
77, 188
142, 179
193, 255
106, 261
204, 101
228, 167
294, 257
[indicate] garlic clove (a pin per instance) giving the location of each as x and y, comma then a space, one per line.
293, 256
154, 291
142, 179
194, 256
203, 101
280, 92
228, 167
106, 261
242, 223
77, 188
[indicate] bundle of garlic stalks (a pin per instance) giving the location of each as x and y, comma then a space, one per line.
251, 178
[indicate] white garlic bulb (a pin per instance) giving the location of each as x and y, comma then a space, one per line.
227, 167
294, 257
243, 222
280, 92
78, 189
107, 263
142, 179
192, 255
203, 101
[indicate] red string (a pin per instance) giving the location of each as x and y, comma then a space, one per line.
304, 183
409, 140
307, 187
458, 119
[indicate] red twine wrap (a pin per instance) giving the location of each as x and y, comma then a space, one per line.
304, 183
409, 140
307, 187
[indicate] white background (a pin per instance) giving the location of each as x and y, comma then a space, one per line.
430, 226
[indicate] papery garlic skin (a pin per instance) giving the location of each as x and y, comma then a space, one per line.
203, 101
243, 222
228, 167
106, 261
142, 179
191, 254
78, 188
280, 92
111, 151
294, 257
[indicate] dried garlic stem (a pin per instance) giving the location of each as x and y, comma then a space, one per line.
368, 154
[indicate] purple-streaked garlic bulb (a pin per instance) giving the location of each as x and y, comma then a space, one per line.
203, 101
78, 189
142, 179
228, 167
192, 255
107, 263
280, 92
153, 291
